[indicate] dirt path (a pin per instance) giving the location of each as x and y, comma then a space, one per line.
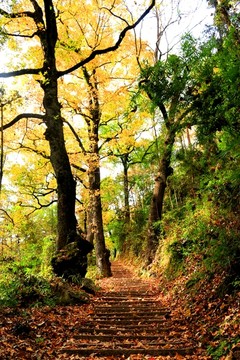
129, 322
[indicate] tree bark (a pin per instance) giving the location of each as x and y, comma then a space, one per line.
96, 226
66, 187
156, 206
102, 254
95, 220
90, 220
124, 159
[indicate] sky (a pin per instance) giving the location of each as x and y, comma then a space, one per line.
184, 16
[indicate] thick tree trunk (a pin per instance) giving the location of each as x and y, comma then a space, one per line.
156, 205
66, 187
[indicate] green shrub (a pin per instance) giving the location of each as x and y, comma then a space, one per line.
18, 287
222, 348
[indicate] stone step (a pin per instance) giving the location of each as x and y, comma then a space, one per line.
130, 309
125, 315
99, 352
127, 322
140, 330
116, 337
126, 345
134, 307
127, 294
128, 301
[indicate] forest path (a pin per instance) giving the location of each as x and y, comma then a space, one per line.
129, 322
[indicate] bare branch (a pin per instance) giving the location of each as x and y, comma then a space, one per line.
7, 215
16, 15
78, 168
76, 136
35, 208
20, 35
117, 16
21, 72
23, 116
42, 154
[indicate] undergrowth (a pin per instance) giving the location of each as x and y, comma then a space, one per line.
27, 279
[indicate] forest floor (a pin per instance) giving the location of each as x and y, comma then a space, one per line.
129, 318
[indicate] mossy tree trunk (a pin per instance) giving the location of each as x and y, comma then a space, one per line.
156, 206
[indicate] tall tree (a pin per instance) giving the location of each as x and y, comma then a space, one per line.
42, 24
166, 84
95, 221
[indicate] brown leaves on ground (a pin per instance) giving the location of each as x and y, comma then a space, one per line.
38, 333
214, 320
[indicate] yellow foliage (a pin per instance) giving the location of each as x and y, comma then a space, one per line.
216, 70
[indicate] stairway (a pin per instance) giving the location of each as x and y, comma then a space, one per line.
129, 321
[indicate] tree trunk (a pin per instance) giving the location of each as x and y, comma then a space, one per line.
95, 221
102, 254
156, 206
90, 218
66, 186
126, 189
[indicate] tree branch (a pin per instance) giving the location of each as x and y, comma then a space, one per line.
21, 72
108, 140
42, 154
79, 168
117, 16
35, 208
35, 15
20, 35
76, 136
7, 215
110, 48
16, 15
23, 116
